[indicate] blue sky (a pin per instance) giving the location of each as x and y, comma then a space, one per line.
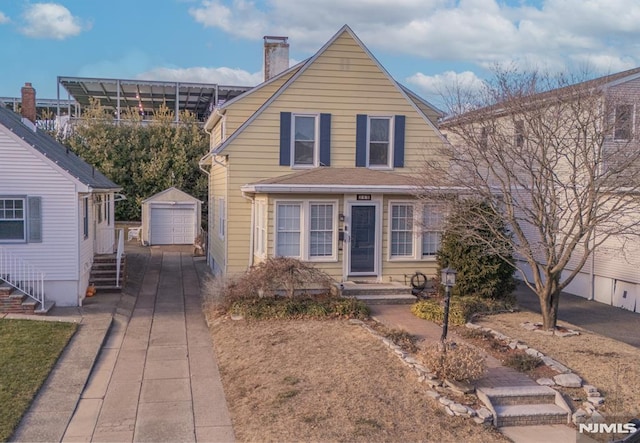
424, 44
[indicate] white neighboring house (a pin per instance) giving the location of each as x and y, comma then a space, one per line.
56, 211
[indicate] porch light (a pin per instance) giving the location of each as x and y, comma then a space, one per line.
448, 279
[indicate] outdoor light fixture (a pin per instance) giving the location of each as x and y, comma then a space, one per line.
448, 279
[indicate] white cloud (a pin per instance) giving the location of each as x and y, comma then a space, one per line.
3, 18
552, 32
222, 76
50, 20
443, 84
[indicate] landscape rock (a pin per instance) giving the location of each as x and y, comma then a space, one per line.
590, 388
596, 401
534, 352
580, 416
513, 344
445, 401
597, 417
545, 381
484, 413
543, 331
457, 407
433, 394
355, 321
460, 387
568, 380
528, 326
568, 333
500, 336
411, 360
450, 412
522, 346
421, 379
472, 326
479, 420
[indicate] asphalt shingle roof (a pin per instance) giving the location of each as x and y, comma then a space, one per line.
341, 176
55, 151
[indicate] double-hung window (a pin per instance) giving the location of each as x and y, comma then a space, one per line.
306, 230
221, 217
402, 230
379, 142
415, 231
305, 140
13, 225
321, 230
623, 125
519, 133
432, 227
260, 235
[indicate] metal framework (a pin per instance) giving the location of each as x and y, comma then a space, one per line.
146, 96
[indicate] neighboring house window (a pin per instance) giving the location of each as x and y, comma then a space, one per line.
623, 126
13, 219
85, 217
305, 140
519, 133
99, 208
402, 230
380, 141
260, 236
221, 217
484, 138
21, 219
288, 230
306, 230
321, 230
432, 227
107, 209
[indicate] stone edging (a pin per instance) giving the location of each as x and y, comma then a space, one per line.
566, 378
481, 415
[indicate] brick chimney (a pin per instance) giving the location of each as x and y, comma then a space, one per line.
276, 56
29, 102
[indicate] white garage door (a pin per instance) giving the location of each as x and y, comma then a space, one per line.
173, 226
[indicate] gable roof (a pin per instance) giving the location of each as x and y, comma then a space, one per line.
174, 190
535, 99
59, 154
304, 67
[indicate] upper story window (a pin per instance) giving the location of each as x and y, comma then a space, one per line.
623, 125
380, 141
519, 133
305, 140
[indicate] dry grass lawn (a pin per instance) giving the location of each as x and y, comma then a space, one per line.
326, 381
613, 367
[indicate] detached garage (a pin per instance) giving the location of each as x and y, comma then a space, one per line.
171, 217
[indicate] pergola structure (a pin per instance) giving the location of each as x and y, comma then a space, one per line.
146, 96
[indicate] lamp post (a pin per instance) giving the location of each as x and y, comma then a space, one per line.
448, 279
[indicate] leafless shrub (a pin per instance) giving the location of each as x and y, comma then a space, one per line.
457, 361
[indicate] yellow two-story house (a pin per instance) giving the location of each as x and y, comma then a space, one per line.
319, 163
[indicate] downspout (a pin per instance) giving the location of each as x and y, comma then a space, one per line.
592, 271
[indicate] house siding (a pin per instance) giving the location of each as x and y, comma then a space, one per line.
23, 172
344, 82
217, 189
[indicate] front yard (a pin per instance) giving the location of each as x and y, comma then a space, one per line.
327, 380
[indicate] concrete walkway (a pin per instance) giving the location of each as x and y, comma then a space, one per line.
156, 377
400, 317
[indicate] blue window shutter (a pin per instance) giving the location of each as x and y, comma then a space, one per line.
361, 140
34, 214
398, 142
325, 139
285, 139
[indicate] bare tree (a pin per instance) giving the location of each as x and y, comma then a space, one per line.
557, 159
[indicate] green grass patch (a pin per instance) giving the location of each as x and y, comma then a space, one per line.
300, 307
28, 351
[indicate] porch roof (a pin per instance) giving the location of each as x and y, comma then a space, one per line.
336, 181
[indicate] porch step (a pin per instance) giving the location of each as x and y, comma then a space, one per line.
14, 301
525, 405
44, 310
378, 293
104, 271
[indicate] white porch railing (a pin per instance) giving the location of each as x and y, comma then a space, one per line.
119, 253
105, 240
22, 275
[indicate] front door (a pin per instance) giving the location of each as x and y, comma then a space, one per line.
363, 240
